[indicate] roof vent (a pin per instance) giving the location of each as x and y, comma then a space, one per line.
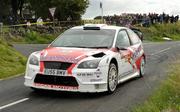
93, 26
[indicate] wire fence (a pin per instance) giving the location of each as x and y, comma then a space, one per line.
42, 27
59, 26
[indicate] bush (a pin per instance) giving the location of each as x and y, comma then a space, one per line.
37, 38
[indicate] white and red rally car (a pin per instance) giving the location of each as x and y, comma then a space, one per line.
89, 58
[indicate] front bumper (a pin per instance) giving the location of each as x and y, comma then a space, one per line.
88, 80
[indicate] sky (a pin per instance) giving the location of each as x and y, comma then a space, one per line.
112, 7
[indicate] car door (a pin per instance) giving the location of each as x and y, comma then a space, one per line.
136, 48
123, 43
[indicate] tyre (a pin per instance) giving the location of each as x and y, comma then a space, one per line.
112, 78
142, 67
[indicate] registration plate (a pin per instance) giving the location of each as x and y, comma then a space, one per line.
54, 72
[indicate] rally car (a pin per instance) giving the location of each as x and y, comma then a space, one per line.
89, 58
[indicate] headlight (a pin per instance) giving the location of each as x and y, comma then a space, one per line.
33, 60
91, 64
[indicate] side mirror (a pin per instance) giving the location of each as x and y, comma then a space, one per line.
140, 35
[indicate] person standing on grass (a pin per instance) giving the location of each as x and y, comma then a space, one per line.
39, 22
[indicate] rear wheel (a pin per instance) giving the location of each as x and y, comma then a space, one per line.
112, 78
142, 67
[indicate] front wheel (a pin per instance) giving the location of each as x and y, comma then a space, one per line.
112, 78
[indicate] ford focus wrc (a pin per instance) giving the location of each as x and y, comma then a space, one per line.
89, 58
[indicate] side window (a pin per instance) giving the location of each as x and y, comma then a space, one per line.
122, 39
133, 37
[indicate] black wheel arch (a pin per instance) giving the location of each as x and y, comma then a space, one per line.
113, 60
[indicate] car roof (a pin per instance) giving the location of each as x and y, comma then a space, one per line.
101, 26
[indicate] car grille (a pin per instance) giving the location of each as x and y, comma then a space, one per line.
56, 80
57, 65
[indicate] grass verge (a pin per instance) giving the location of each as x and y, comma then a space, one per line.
11, 62
158, 31
167, 97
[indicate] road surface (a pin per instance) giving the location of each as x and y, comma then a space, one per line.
15, 97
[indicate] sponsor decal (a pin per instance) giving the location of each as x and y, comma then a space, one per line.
133, 55
128, 56
63, 55
84, 74
60, 58
65, 52
137, 52
66, 55
134, 59
57, 86
97, 74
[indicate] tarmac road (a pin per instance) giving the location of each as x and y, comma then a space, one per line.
15, 97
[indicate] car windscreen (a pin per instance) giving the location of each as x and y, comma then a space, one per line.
85, 38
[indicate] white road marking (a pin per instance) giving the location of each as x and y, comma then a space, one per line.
13, 103
152, 43
164, 50
18, 75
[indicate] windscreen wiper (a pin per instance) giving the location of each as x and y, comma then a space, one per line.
100, 47
75, 46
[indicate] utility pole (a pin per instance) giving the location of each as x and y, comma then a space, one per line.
102, 15
52, 11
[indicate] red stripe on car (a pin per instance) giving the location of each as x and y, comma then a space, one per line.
70, 69
41, 67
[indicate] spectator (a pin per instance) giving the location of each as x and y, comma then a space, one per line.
126, 19
39, 22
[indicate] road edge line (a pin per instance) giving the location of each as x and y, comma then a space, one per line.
11, 77
161, 51
13, 103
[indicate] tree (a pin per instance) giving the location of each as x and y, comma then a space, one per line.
5, 10
17, 5
64, 8
72, 8
13, 9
